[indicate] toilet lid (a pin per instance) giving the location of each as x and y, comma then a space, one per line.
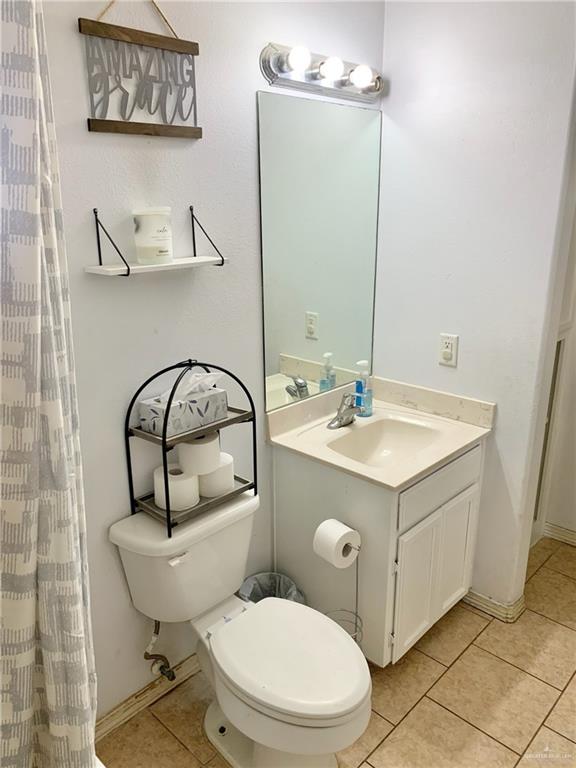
292, 659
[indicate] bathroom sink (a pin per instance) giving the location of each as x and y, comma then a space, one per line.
392, 447
380, 441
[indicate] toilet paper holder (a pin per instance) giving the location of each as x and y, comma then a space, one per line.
335, 542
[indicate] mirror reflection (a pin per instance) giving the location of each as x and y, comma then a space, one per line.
319, 173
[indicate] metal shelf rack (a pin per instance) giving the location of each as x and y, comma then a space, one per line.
166, 443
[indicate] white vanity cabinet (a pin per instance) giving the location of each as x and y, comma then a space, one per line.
417, 544
433, 568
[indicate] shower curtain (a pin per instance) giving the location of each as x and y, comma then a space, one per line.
47, 678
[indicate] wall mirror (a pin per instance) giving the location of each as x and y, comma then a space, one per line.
319, 177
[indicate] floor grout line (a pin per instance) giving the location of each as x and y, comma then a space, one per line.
476, 611
178, 739
424, 695
463, 719
550, 619
543, 723
492, 737
520, 669
473, 725
541, 564
558, 732
550, 568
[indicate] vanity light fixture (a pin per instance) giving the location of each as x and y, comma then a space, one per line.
328, 75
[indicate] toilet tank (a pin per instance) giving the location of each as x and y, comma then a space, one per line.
178, 578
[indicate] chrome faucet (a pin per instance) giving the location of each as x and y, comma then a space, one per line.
346, 413
298, 390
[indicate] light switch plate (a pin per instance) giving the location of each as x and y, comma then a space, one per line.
448, 349
311, 320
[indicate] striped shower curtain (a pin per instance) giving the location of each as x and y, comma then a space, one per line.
47, 679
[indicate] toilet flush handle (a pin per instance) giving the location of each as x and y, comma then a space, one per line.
179, 559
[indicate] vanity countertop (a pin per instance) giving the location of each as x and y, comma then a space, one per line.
393, 447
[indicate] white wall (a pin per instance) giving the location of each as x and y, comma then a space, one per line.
126, 329
474, 141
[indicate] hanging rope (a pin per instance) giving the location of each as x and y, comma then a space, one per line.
154, 3
106, 9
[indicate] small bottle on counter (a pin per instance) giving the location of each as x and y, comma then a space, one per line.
363, 389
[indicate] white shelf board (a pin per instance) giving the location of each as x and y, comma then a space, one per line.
114, 270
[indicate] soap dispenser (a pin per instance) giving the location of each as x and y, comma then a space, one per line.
363, 389
328, 380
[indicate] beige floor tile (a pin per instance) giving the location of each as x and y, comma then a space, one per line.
563, 716
549, 750
502, 701
431, 737
378, 729
182, 712
553, 595
535, 644
539, 553
143, 742
564, 561
451, 635
397, 687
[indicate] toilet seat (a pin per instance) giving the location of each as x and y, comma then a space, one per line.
291, 663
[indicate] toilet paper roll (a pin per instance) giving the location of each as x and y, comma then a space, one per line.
336, 543
220, 481
200, 456
183, 488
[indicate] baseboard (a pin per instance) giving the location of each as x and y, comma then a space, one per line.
145, 696
559, 533
505, 612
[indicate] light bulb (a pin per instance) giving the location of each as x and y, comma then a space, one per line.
299, 58
361, 76
332, 68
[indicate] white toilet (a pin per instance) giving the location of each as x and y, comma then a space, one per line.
292, 687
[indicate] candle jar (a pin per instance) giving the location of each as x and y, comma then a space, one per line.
153, 235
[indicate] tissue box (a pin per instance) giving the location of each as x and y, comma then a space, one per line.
197, 410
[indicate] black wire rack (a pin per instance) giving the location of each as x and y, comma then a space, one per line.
166, 443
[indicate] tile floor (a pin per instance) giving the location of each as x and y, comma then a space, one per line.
473, 693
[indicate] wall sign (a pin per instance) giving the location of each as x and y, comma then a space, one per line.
140, 82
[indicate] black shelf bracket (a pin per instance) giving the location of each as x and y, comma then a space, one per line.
194, 220
100, 226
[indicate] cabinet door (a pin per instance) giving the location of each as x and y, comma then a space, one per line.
415, 608
456, 549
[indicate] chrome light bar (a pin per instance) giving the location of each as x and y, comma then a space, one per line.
298, 68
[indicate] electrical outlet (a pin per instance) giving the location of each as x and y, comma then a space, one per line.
311, 320
448, 350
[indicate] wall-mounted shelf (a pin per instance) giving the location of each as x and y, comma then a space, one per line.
116, 270
126, 269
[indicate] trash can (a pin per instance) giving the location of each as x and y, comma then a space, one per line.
269, 584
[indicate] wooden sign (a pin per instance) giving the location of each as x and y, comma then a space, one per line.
134, 76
